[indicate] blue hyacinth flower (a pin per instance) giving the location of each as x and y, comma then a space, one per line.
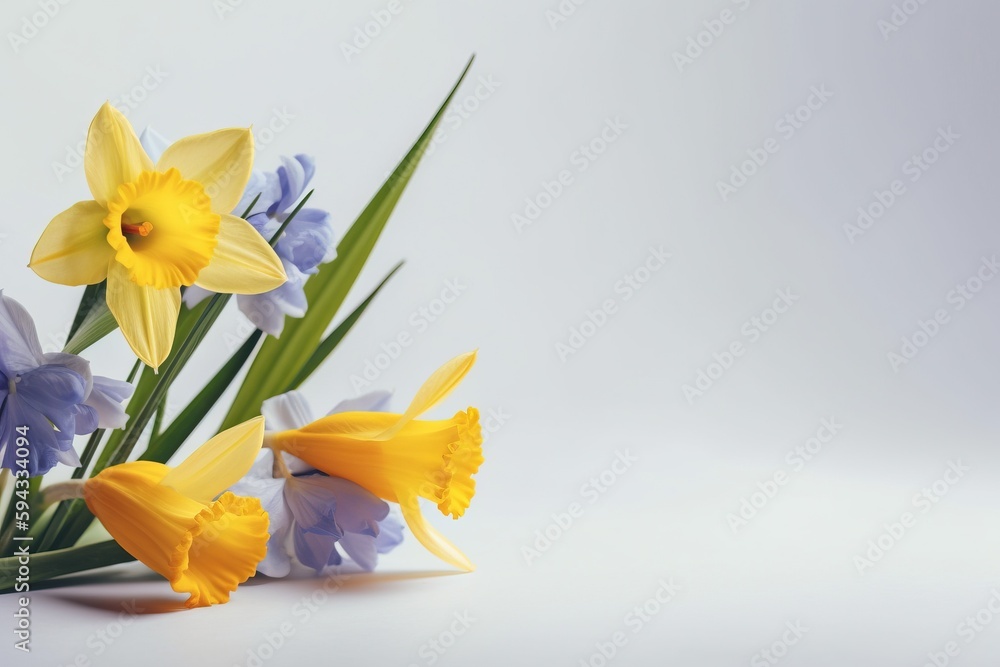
313, 515
47, 399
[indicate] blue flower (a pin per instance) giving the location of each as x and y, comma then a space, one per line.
313, 511
307, 242
49, 397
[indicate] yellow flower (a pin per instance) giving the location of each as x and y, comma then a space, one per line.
401, 459
169, 519
152, 228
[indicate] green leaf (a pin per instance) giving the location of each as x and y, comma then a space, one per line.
280, 361
149, 391
164, 446
338, 334
92, 295
45, 566
97, 324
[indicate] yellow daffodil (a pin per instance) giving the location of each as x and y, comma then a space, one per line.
170, 519
151, 229
402, 459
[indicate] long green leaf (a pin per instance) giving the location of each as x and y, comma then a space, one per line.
97, 324
280, 361
164, 446
333, 340
92, 295
45, 566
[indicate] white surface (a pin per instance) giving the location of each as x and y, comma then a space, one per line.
666, 517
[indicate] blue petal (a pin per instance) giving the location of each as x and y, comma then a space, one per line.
265, 225
268, 311
315, 550
307, 239
52, 389
390, 534
86, 419
361, 549
357, 509
264, 184
106, 399
46, 446
260, 483
19, 347
375, 401
294, 176
313, 505
286, 412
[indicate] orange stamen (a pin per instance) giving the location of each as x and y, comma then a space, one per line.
142, 230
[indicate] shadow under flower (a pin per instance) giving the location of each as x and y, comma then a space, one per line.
117, 604
348, 579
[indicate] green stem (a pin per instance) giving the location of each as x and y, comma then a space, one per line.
45, 566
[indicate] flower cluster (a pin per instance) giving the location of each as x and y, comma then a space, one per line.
168, 226
53, 395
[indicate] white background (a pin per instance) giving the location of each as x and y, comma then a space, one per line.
669, 517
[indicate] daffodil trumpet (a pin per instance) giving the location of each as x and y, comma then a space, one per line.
153, 228
175, 521
400, 458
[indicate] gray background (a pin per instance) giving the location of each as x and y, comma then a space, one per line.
281, 66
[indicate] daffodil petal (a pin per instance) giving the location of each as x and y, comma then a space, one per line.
147, 316
221, 161
243, 262
428, 536
219, 463
114, 155
73, 249
441, 383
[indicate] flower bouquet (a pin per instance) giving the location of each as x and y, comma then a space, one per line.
172, 231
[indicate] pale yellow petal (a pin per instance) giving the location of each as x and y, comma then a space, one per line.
441, 383
219, 463
114, 155
74, 249
428, 536
243, 262
221, 161
147, 316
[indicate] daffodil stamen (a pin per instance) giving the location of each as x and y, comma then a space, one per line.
142, 230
